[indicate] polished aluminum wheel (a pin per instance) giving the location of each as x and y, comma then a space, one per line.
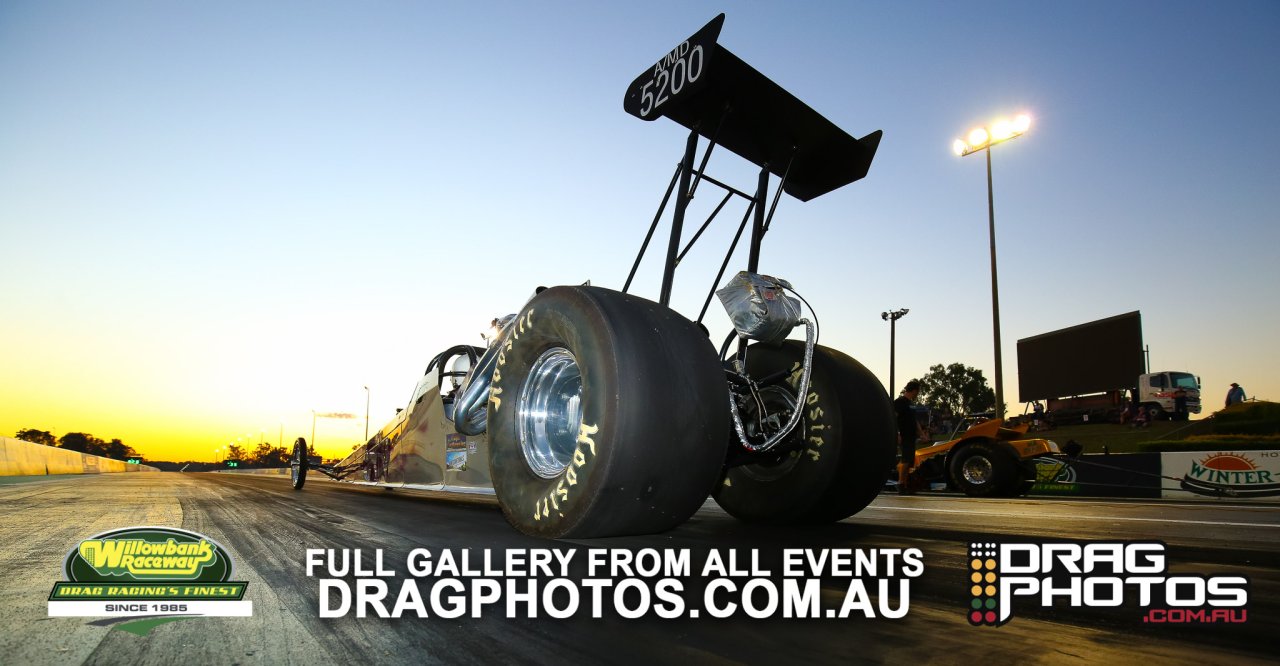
977, 470
550, 412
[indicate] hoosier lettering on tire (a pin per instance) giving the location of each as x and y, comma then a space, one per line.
841, 451
606, 416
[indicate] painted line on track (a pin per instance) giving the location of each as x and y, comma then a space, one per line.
1073, 517
1258, 505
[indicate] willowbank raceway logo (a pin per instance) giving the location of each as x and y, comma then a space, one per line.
1129, 575
148, 572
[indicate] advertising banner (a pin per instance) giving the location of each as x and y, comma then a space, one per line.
1236, 475
1117, 475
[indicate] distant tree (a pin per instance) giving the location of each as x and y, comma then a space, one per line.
277, 457
261, 455
97, 447
234, 452
84, 443
74, 441
116, 449
37, 436
956, 389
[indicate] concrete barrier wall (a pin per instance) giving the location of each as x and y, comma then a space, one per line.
19, 458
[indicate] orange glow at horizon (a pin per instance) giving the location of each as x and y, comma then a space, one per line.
179, 437
159, 386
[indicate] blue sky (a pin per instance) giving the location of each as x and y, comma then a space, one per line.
217, 217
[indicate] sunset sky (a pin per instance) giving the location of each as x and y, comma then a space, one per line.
218, 217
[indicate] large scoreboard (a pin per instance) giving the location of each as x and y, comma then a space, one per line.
1098, 356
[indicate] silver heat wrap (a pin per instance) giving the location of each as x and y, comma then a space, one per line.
758, 306
802, 392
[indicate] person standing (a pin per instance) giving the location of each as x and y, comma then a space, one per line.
1235, 395
1180, 412
909, 432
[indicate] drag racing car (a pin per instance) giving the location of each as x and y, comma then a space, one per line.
594, 412
989, 459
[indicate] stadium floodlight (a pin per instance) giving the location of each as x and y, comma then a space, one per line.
979, 139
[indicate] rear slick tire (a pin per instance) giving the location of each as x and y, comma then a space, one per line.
608, 415
847, 453
1025, 479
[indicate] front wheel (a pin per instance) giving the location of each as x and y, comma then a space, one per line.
298, 464
840, 453
607, 415
1155, 412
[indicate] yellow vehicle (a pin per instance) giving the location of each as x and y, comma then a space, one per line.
986, 460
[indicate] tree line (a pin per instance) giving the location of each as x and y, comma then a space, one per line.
79, 441
264, 455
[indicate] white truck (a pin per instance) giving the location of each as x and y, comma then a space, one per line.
1155, 391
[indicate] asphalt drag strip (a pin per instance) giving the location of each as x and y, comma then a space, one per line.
268, 527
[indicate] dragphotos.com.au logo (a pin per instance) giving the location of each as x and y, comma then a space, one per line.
1113, 574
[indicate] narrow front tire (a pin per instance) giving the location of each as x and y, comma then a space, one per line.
298, 464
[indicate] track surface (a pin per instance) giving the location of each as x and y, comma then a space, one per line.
266, 526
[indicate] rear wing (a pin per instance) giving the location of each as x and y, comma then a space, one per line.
703, 86
718, 97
